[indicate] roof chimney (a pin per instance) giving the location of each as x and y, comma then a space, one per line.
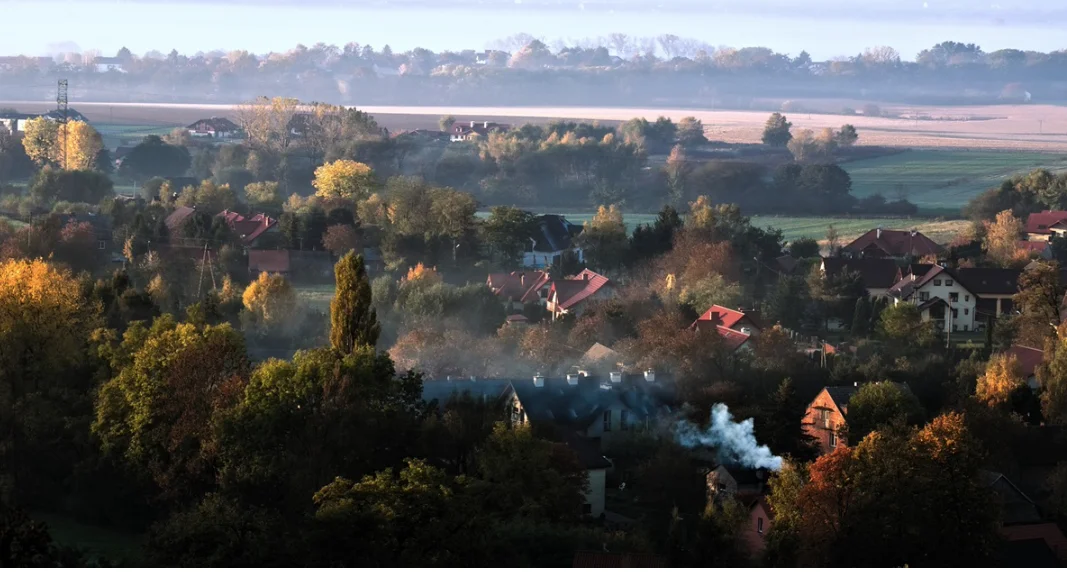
473, 123
650, 376
572, 379
539, 380
616, 377
485, 124
878, 233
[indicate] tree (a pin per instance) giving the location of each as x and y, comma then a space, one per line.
1001, 378
264, 195
82, 146
446, 122
208, 197
268, 122
271, 302
902, 324
809, 149
507, 232
354, 323
691, 132
1053, 376
804, 248
879, 404
341, 238
26, 543
40, 138
604, 239
776, 131
861, 318
1038, 302
50, 185
154, 158
847, 136
677, 170
344, 179
1002, 239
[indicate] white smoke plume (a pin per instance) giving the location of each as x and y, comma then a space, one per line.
732, 440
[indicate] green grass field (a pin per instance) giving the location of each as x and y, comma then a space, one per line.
116, 135
943, 180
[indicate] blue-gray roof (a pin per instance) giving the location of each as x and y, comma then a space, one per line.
442, 390
559, 401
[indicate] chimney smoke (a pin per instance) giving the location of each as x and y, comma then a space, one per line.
732, 441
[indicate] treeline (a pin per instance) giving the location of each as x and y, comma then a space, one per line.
604, 71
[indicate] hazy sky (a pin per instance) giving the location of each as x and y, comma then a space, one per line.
826, 28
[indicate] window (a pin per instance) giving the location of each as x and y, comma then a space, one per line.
759, 525
607, 420
967, 298
825, 415
955, 313
833, 439
965, 327
955, 328
924, 296
624, 421
966, 311
953, 297
100, 245
937, 282
948, 283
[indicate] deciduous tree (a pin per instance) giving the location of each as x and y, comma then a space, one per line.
271, 302
604, 239
344, 179
776, 131
1002, 239
1001, 378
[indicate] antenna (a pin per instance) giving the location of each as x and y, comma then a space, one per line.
61, 107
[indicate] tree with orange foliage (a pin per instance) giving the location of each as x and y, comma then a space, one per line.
1002, 240
340, 239
1002, 377
898, 498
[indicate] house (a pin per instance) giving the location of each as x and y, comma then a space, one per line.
423, 135
599, 359
880, 243
878, 274
464, 132
250, 229
1044, 225
941, 297
1021, 520
736, 320
214, 127
760, 518
1029, 360
734, 481
1039, 248
104, 65
826, 415
269, 261
516, 289
553, 238
177, 218
570, 296
373, 260
994, 288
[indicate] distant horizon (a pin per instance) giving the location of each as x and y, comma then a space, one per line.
407, 24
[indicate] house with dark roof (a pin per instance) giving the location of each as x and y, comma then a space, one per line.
942, 298
878, 274
177, 218
599, 359
1046, 224
214, 127
517, 289
879, 243
825, 417
104, 65
464, 132
553, 237
1020, 518
1029, 360
571, 295
994, 288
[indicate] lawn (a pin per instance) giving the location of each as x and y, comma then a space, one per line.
316, 297
943, 180
116, 135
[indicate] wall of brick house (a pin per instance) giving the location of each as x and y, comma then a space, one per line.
815, 427
1047, 531
754, 539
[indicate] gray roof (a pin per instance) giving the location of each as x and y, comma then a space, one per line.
554, 233
842, 394
1016, 507
580, 404
443, 390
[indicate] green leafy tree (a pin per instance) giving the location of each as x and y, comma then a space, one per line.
507, 232
154, 158
776, 131
902, 324
354, 321
847, 136
879, 404
804, 248
1038, 302
604, 239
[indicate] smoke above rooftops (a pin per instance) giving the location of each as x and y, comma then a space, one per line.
734, 441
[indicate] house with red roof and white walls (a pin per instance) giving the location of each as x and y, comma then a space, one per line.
901, 244
571, 295
1046, 224
738, 328
516, 289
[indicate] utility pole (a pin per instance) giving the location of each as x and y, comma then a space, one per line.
61, 107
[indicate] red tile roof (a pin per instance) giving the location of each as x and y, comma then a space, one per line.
1039, 223
249, 228
176, 219
569, 293
723, 316
733, 338
518, 286
1032, 245
273, 261
1029, 358
895, 243
517, 318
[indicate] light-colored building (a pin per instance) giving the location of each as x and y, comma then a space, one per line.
941, 297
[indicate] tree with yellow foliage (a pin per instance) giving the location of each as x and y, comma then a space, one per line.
344, 179
41, 140
1002, 377
604, 239
1002, 239
270, 301
422, 274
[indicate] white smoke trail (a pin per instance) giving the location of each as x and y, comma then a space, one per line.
733, 441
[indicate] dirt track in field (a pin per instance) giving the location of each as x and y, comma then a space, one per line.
1015, 127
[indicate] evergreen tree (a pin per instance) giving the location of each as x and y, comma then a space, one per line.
353, 322
861, 319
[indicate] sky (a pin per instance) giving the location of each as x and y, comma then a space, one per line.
825, 28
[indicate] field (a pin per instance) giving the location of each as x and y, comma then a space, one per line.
944, 180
